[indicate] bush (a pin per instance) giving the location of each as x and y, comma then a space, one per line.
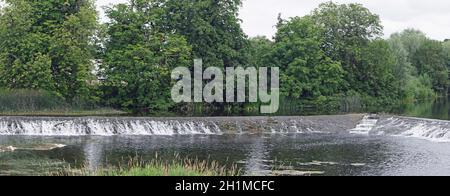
419, 89
23, 100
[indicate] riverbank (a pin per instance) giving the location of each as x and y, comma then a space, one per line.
68, 113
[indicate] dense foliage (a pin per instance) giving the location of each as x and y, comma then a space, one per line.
139, 57
331, 58
47, 45
307, 73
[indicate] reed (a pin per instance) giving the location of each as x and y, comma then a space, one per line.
158, 167
28, 102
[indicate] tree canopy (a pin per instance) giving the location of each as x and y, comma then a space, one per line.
139, 57
48, 45
335, 54
306, 71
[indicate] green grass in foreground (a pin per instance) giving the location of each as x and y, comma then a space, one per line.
158, 167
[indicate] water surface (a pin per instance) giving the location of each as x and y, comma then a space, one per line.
267, 154
433, 109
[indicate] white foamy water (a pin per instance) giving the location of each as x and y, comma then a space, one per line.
47, 126
102, 127
366, 125
433, 130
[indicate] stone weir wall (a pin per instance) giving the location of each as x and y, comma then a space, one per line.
108, 126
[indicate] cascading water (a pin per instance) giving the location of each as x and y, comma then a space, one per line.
102, 126
366, 125
435, 130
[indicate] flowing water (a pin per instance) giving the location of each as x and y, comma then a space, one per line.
320, 145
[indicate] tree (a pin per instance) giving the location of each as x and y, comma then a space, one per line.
258, 50
429, 60
402, 68
139, 58
211, 27
144, 30
348, 29
411, 39
446, 48
213, 30
22, 63
48, 45
415, 83
427, 57
306, 72
409, 86
378, 79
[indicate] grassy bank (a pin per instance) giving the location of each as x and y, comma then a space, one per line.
158, 167
26, 102
56, 113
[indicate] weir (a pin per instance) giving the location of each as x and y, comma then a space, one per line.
366, 125
107, 126
436, 130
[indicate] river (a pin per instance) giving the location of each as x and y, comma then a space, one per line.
439, 109
341, 145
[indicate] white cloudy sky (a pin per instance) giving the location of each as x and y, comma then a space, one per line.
430, 16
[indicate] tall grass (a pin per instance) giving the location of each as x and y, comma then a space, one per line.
158, 167
45, 103
29, 100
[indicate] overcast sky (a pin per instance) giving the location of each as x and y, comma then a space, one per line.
430, 16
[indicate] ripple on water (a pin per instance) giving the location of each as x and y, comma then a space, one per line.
296, 173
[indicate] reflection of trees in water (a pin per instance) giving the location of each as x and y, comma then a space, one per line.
436, 109
331, 154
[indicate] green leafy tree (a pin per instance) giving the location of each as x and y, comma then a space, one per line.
213, 30
429, 60
139, 58
411, 39
348, 29
378, 78
404, 73
446, 48
306, 72
22, 65
48, 45
258, 50
402, 68
211, 27
415, 83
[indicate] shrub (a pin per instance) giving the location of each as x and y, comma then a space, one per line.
24, 100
